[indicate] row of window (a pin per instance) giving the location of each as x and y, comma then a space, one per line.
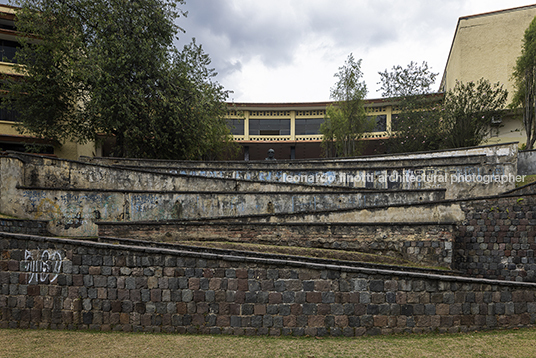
303, 126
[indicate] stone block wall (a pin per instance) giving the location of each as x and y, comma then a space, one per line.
29, 227
67, 284
498, 238
428, 244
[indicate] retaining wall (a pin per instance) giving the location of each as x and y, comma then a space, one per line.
29, 227
468, 172
526, 162
68, 284
427, 244
74, 212
497, 239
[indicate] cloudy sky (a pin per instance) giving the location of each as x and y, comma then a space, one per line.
289, 50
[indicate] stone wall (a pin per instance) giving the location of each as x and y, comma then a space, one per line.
497, 239
45, 172
67, 284
429, 244
495, 153
29, 227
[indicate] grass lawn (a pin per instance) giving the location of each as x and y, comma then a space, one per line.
46, 343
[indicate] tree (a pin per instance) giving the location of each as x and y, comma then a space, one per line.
410, 81
110, 67
415, 126
346, 119
524, 76
468, 111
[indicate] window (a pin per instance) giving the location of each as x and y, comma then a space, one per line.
308, 126
380, 123
8, 115
236, 126
269, 127
8, 50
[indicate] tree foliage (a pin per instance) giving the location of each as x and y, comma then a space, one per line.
468, 111
524, 76
410, 81
415, 125
346, 119
110, 67
462, 117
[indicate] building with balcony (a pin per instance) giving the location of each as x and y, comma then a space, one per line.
293, 129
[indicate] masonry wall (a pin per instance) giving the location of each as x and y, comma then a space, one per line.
497, 239
29, 227
494, 237
65, 284
427, 244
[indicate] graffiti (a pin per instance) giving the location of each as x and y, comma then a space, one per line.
43, 266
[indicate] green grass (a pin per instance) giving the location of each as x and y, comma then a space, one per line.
527, 180
45, 343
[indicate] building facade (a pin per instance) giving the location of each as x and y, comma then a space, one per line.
293, 129
487, 46
10, 138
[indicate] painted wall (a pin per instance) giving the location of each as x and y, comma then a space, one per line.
487, 46
53, 283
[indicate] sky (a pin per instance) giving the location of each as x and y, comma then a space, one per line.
289, 50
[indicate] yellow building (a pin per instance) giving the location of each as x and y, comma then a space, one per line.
487, 46
293, 129
10, 138
484, 46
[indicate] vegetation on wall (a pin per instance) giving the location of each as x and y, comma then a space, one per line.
524, 76
346, 119
110, 67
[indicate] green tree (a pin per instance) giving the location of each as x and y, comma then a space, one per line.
414, 127
468, 111
110, 67
524, 76
346, 119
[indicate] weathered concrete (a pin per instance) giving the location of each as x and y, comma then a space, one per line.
68, 284
422, 243
74, 212
526, 162
74, 195
468, 172
496, 153
447, 211
38, 171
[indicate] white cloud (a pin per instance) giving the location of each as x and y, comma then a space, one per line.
288, 50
